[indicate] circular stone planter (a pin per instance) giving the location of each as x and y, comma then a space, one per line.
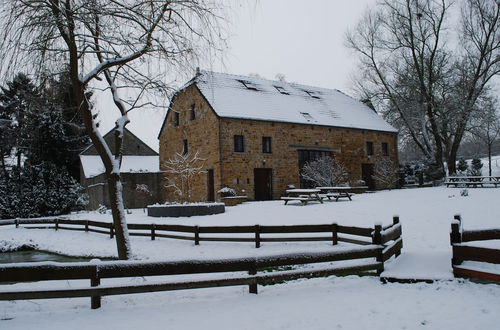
185, 210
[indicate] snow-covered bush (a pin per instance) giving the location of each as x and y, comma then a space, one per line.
462, 166
182, 169
385, 172
39, 190
325, 171
476, 166
226, 192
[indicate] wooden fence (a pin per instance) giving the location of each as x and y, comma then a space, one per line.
96, 272
385, 243
463, 253
256, 234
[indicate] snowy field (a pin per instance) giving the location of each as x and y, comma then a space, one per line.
329, 303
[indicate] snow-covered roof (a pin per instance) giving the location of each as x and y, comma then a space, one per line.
93, 166
233, 96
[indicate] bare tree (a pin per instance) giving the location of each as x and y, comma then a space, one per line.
183, 169
420, 83
385, 172
325, 171
131, 44
485, 127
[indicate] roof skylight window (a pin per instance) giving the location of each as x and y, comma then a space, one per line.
307, 116
312, 94
282, 90
248, 85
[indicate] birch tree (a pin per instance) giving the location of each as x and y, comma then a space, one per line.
132, 44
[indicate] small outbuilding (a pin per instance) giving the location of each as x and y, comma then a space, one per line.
140, 173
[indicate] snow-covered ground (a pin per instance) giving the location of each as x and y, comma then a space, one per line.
328, 303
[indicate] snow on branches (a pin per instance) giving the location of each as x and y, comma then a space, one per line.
385, 172
325, 171
182, 169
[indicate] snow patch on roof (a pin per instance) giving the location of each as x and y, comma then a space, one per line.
93, 166
285, 102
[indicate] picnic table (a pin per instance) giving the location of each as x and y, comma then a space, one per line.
336, 192
472, 181
302, 195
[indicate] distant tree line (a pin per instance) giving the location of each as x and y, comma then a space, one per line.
40, 138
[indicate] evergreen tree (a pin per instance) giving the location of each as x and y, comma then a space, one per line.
17, 101
476, 167
462, 165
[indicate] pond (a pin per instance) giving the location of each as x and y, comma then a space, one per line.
37, 255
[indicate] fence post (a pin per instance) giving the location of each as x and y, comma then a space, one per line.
395, 219
86, 226
95, 301
153, 232
196, 235
334, 234
56, 221
455, 235
252, 288
257, 236
17, 223
377, 235
111, 230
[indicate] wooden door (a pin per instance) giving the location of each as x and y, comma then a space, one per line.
210, 186
263, 178
367, 175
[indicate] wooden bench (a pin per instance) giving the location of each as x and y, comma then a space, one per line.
472, 181
303, 200
467, 184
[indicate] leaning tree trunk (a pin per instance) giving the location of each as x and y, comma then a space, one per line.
112, 170
115, 189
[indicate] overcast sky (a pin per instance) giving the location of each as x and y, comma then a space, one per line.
304, 40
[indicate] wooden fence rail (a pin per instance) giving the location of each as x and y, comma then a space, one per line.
119, 269
385, 242
463, 253
259, 233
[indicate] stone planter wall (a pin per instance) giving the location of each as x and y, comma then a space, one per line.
185, 210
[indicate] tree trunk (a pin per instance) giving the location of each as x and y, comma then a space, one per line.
112, 175
451, 162
489, 159
115, 188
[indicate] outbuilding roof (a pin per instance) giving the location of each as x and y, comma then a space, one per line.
234, 96
92, 165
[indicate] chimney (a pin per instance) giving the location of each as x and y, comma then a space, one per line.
197, 71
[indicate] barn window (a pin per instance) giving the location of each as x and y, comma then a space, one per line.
176, 119
185, 147
192, 113
266, 144
307, 116
369, 148
281, 90
385, 149
248, 85
239, 143
312, 94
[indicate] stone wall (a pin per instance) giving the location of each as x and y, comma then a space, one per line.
346, 145
97, 189
202, 135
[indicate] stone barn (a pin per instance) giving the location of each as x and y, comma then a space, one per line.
140, 173
254, 135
